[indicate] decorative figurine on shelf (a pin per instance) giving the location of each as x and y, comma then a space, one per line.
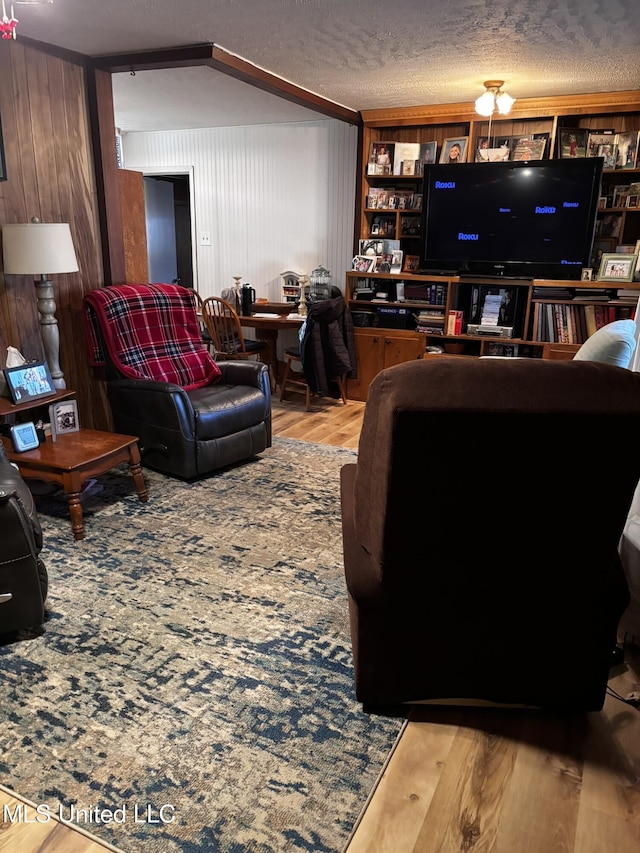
237, 279
302, 307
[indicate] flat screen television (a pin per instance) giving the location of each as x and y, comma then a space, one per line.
518, 219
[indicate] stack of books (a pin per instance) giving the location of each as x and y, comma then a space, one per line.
430, 322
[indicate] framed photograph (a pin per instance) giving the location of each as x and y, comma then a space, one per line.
383, 262
529, 147
29, 381
370, 247
617, 267
381, 158
64, 417
396, 260
587, 274
627, 150
609, 225
3, 165
596, 138
411, 263
454, 150
609, 152
405, 155
573, 142
427, 155
364, 263
601, 245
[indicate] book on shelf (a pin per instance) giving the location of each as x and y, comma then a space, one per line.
593, 294
454, 322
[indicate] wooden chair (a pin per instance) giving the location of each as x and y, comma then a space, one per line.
223, 324
294, 380
206, 336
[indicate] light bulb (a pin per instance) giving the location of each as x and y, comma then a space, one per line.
486, 104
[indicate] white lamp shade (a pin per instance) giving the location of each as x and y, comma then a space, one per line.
486, 104
504, 102
38, 248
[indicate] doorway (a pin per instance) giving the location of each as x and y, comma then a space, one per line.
168, 202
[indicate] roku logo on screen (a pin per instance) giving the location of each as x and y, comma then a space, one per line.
463, 236
547, 209
571, 204
445, 185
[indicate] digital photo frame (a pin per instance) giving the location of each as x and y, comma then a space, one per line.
29, 381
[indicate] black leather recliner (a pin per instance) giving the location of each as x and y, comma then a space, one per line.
191, 415
23, 576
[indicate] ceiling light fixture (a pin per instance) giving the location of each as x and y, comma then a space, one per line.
494, 98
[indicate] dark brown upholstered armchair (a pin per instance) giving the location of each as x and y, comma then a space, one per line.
23, 576
480, 529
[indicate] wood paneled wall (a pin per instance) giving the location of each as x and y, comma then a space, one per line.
51, 175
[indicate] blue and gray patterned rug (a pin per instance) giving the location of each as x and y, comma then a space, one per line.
195, 674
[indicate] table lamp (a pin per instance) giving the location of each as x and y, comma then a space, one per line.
29, 248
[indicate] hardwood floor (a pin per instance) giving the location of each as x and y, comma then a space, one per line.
469, 779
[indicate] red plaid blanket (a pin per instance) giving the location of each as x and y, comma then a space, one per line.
150, 331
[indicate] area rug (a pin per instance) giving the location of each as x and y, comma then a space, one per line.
193, 689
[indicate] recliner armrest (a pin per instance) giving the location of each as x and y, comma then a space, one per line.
253, 373
150, 401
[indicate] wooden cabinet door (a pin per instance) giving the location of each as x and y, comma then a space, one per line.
379, 348
397, 349
369, 362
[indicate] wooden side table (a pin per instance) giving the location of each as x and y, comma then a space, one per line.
75, 457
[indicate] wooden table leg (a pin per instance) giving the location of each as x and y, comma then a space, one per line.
136, 472
75, 511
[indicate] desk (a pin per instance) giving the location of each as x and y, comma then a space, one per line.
267, 328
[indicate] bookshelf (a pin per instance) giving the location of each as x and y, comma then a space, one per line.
550, 319
420, 134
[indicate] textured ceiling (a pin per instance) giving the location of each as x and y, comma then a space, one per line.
362, 54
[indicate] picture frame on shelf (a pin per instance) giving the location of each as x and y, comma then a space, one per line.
380, 160
63, 417
609, 153
617, 267
30, 381
411, 263
364, 263
383, 263
595, 138
454, 150
405, 155
427, 155
609, 225
572, 142
371, 248
396, 260
601, 246
627, 154
531, 147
